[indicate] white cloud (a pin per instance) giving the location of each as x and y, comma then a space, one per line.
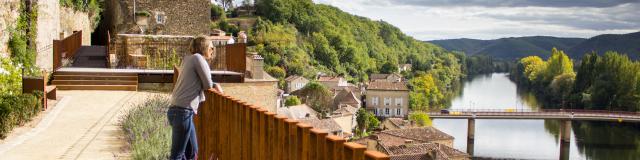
482, 21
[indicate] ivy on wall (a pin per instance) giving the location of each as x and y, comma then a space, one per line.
22, 51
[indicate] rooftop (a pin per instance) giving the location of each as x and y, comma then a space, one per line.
382, 76
424, 151
328, 125
390, 86
297, 112
329, 78
424, 134
399, 122
293, 77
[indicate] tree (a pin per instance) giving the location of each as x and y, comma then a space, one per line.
317, 96
424, 93
217, 12
389, 67
421, 118
366, 121
562, 85
276, 72
226, 4
558, 64
292, 101
533, 67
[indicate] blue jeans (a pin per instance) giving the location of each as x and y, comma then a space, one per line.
183, 140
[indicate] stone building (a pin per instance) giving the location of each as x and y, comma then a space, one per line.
164, 17
333, 82
387, 99
295, 82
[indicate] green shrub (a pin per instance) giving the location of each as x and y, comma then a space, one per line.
16, 110
276, 72
292, 101
143, 13
147, 129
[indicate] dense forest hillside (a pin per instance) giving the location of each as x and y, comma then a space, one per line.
514, 48
299, 37
628, 44
510, 48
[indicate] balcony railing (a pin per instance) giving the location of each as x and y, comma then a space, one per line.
230, 129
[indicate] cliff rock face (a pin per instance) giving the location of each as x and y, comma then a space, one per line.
8, 16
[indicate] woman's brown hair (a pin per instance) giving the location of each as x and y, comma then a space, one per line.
199, 45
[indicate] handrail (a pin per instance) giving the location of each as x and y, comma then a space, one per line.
66, 48
231, 129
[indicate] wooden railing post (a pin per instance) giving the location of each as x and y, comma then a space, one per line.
354, 151
334, 147
375, 155
262, 133
246, 128
255, 132
290, 143
235, 135
281, 137
303, 144
271, 122
317, 148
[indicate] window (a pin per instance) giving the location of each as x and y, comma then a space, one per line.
375, 112
160, 18
398, 101
298, 85
374, 101
386, 111
399, 111
387, 101
380, 112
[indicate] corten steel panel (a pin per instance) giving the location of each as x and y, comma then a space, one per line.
236, 57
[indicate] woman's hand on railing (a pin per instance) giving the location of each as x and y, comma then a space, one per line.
217, 88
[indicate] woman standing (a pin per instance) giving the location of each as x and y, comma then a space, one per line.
188, 92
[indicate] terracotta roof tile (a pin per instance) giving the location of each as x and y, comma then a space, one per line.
425, 134
329, 78
293, 77
328, 125
392, 86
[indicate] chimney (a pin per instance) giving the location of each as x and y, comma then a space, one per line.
242, 37
257, 69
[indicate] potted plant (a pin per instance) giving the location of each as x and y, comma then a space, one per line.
142, 18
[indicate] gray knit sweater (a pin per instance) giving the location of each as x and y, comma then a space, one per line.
193, 80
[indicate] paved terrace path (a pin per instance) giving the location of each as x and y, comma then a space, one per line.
83, 125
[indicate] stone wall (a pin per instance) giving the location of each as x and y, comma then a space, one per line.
259, 93
181, 17
54, 21
48, 30
8, 17
71, 20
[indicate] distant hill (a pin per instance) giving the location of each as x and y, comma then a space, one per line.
623, 43
518, 47
509, 48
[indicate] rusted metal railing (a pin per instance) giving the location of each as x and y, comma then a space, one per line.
230, 129
66, 48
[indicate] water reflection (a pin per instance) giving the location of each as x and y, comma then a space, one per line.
531, 139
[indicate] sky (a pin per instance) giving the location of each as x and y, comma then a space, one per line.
492, 19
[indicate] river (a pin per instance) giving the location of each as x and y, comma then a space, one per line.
532, 139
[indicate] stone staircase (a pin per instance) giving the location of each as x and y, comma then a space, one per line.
95, 81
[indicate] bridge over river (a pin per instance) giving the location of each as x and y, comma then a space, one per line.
564, 115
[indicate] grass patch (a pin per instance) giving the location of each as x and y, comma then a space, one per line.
147, 129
